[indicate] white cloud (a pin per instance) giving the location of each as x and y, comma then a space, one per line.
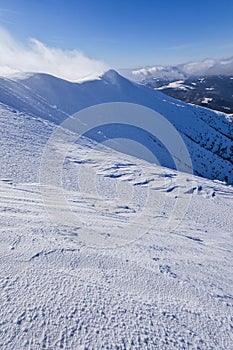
72, 65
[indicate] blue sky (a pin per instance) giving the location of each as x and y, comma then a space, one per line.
126, 33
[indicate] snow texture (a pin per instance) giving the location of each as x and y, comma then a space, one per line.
167, 289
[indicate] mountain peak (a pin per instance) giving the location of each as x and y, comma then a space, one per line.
111, 76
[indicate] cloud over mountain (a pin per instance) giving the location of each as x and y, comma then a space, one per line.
71, 65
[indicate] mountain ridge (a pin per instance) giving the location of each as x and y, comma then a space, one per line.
207, 134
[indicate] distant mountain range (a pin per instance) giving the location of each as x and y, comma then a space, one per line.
181, 71
208, 83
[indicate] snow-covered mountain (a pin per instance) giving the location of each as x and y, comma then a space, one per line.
163, 286
182, 71
207, 134
167, 283
154, 72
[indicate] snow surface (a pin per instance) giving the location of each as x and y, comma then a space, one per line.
207, 100
167, 288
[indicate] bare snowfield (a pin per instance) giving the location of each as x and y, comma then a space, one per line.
152, 270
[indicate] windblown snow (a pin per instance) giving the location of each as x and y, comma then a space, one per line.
66, 285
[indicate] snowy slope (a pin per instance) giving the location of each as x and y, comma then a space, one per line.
207, 134
164, 289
